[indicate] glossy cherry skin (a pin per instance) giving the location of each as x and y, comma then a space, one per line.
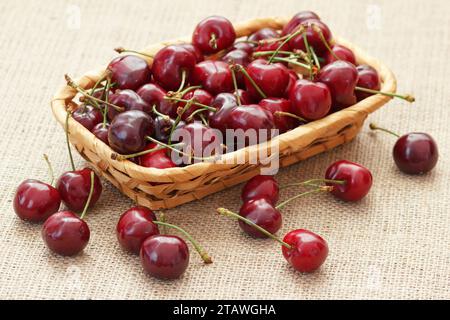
215, 26
282, 122
129, 72
153, 94
158, 159
358, 180
214, 76
343, 53
223, 103
200, 96
264, 214
313, 37
128, 100
310, 100
101, 132
271, 78
261, 187
263, 34
170, 63
163, 128
297, 20
245, 97
341, 78
35, 201
367, 78
293, 77
238, 57
128, 131
416, 153
65, 233
164, 256
74, 187
309, 250
244, 46
88, 116
196, 51
134, 226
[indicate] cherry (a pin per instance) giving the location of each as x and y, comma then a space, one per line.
201, 96
163, 128
367, 78
156, 159
341, 52
223, 103
196, 51
172, 66
272, 79
341, 78
298, 19
88, 116
238, 57
129, 72
134, 226
244, 46
128, 131
307, 252
128, 100
414, 153
263, 34
197, 138
101, 132
279, 107
293, 77
213, 34
244, 96
261, 187
261, 212
154, 95
358, 180
313, 30
214, 76
310, 100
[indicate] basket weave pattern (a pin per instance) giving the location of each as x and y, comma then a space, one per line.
168, 188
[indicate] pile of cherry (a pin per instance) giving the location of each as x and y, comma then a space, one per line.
223, 95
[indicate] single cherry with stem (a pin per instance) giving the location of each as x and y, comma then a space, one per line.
280, 108
88, 116
297, 20
263, 213
367, 78
157, 159
213, 34
127, 100
129, 72
339, 52
101, 132
213, 76
310, 100
155, 95
415, 152
261, 186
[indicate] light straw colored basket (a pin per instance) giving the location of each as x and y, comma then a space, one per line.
168, 188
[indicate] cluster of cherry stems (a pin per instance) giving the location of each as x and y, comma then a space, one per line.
136, 118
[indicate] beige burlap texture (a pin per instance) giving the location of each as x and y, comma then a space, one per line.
394, 244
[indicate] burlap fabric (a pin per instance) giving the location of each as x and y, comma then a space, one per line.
395, 244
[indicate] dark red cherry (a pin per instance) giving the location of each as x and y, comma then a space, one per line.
213, 34
238, 57
282, 122
223, 103
357, 180
310, 100
163, 128
128, 100
134, 226
158, 159
74, 187
35, 201
128, 131
264, 214
297, 20
129, 72
313, 37
367, 78
164, 256
200, 96
245, 97
341, 78
293, 77
261, 187
169, 65
65, 233
196, 51
101, 132
154, 95
308, 250
343, 53
88, 116
416, 153
214, 76
271, 78
263, 34
244, 46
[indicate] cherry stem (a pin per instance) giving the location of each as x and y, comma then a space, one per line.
170, 147
155, 111
121, 157
192, 102
196, 112
300, 30
51, 173
236, 88
288, 114
91, 192
316, 59
122, 50
105, 110
213, 41
72, 163
407, 97
313, 182
279, 59
231, 214
203, 254
373, 126
202, 117
182, 93
309, 54
183, 80
162, 218
325, 42
245, 73
97, 84
319, 189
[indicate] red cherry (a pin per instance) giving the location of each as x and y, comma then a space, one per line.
343, 53
238, 57
200, 96
101, 132
170, 64
367, 78
74, 187
341, 78
214, 76
134, 226
196, 51
272, 46
263, 213
274, 105
128, 100
310, 100
129, 72
87, 116
308, 250
213, 34
244, 46
358, 180
223, 103
65, 233
261, 187
272, 79
313, 37
263, 34
244, 96
297, 20
156, 159
293, 77
35, 201
164, 257
163, 128
154, 95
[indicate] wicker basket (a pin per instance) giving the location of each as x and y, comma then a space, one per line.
168, 188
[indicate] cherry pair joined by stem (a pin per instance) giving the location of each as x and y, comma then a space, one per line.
213, 34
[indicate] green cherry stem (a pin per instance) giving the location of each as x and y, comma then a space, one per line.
121, 157
245, 73
159, 114
183, 80
313, 182
51, 173
236, 88
196, 112
315, 58
192, 102
213, 41
203, 254
288, 114
122, 50
72, 163
170, 147
317, 190
373, 126
91, 191
300, 30
294, 62
105, 109
325, 42
231, 214
100, 80
407, 97
171, 94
